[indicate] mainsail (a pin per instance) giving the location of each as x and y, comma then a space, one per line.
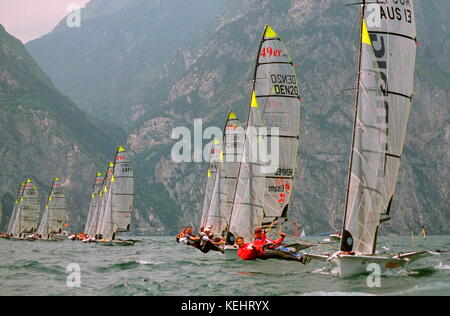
13, 222
383, 102
97, 221
93, 214
119, 199
225, 158
211, 183
264, 190
28, 212
233, 146
55, 211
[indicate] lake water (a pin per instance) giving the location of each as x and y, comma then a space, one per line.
160, 266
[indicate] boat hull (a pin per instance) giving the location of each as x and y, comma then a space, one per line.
230, 252
349, 266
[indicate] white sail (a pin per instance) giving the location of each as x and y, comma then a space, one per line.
384, 93
262, 197
211, 185
92, 215
118, 200
122, 190
278, 96
233, 146
13, 222
27, 218
55, 211
102, 201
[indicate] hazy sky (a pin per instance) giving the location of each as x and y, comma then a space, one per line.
30, 19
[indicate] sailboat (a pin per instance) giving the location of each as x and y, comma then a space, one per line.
263, 193
92, 219
387, 50
55, 213
222, 177
17, 204
211, 212
117, 205
26, 214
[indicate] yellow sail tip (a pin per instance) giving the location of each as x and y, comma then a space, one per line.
121, 149
216, 141
93, 195
99, 174
232, 116
113, 179
270, 33
365, 34
50, 198
254, 101
111, 165
209, 173
221, 155
28, 181
56, 179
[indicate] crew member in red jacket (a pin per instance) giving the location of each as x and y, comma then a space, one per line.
263, 248
247, 251
261, 240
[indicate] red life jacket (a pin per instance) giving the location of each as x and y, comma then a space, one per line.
248, 252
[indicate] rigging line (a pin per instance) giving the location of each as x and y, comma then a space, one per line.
312, 243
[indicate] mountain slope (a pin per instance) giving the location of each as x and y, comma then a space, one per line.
43, 134
119, 46
211, 74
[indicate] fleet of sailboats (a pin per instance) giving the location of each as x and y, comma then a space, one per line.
110, 209
111, 204
251, 171
222, 177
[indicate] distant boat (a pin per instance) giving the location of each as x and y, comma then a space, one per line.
92, 219
384, 91
17, 205
262, 198
211, 211
222, 176
118, 194
26, 213
55, 213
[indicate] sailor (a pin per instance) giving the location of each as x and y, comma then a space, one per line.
261, 240
263, 248
209, 241
247, 251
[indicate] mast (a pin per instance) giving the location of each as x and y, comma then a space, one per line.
344, 235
